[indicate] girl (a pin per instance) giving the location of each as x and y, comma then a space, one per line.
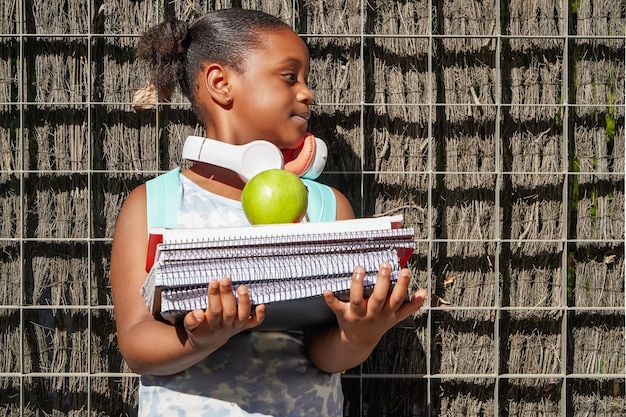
245, 75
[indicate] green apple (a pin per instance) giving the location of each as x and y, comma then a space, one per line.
274, 196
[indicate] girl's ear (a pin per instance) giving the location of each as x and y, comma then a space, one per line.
216, 83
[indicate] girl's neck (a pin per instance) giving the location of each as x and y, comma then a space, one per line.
217, 180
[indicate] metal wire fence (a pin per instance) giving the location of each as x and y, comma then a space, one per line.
495, 127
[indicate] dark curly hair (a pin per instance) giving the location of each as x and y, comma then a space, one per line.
176, 51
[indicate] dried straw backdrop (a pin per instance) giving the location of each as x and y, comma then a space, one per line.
495, 127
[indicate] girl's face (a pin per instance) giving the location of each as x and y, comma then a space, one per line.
270, 97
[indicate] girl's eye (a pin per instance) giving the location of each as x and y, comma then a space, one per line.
291, 77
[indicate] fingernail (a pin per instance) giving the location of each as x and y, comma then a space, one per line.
359, 273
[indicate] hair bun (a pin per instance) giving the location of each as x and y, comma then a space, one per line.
163, 47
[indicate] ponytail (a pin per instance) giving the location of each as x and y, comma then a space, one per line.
163, 47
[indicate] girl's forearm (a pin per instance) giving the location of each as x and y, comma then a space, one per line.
155, 348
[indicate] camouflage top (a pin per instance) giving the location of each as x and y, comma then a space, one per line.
255, 373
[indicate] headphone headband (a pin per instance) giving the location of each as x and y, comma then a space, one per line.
259, 155
246, 160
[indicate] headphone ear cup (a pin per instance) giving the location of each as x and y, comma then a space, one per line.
299, 159
309, 160
319, 160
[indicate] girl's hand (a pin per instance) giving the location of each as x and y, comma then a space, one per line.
363, 321
224, 317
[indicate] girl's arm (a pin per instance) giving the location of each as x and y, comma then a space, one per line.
361, 321
149, 345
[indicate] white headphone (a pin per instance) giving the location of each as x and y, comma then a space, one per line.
307, 161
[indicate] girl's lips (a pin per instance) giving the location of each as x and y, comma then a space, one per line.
305, 115
301, 119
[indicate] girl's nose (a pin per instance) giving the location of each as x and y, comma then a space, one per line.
305, 95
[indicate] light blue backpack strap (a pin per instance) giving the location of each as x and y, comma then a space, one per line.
322, 202
163, 199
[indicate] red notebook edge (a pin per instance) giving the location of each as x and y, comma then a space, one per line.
153, 240
403, 255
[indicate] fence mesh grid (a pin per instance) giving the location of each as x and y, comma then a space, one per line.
495, 127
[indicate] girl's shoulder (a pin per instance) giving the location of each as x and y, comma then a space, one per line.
344, 208
134, 204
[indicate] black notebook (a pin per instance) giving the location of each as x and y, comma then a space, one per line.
285, 266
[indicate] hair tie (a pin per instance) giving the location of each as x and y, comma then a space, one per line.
145, 98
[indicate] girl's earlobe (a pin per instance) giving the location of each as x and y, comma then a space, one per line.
224, 99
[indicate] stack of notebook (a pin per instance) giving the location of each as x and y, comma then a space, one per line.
285, 266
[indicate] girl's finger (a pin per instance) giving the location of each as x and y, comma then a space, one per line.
243, 304
400, 290
357, 302
257, 318
214, 309
193, 320
227, 298
414, 304
378, 298
332, 302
